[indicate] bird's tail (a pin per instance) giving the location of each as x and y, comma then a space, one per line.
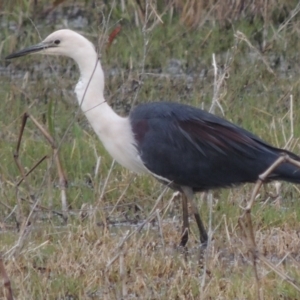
287, 171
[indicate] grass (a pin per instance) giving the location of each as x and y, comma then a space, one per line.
59, 260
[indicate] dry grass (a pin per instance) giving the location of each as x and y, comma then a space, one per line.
76, 261
102, 253
193, 13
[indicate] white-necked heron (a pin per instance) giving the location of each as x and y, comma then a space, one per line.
182, 146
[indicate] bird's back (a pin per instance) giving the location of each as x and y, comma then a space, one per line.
191, 147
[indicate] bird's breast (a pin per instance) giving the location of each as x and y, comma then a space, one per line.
118, 140
125, 153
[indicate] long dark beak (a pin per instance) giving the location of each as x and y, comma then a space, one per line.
29, 50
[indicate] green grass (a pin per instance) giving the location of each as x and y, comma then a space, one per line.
58, 259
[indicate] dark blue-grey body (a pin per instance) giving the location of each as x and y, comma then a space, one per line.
191, 147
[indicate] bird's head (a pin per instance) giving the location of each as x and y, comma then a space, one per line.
62, 42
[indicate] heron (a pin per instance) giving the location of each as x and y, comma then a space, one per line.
184, 147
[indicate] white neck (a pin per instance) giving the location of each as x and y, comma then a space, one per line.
114, 131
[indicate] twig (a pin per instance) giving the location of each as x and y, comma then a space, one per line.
293, 13
218, 81
160, 226
245, 222
174, 195
11, 213
122, 195
152, 212
290, 280
128, 234
145, 48
105, 183
241, 36
119, 247
123, 274
7, 286
291, 122
210, 200
63, 182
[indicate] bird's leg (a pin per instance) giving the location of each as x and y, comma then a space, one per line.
188, 192
185, 217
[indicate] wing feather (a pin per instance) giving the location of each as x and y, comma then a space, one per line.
191, 147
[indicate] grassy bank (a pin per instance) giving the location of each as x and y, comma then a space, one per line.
167, 57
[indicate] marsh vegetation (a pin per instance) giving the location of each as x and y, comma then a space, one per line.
150, 52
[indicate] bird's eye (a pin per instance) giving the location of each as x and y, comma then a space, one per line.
56, 42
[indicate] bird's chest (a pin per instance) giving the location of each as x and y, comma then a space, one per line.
122, 149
